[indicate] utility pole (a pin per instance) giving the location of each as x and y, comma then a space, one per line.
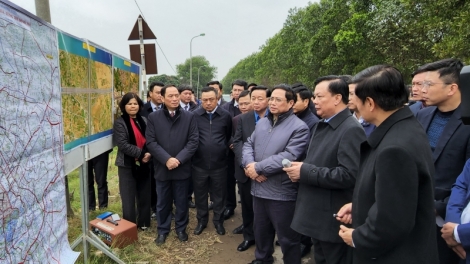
43, 10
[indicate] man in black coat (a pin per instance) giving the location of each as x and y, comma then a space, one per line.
245, 126
327, 175
232, 107
210, 161
392, 210
449, 138
151, 106
301, 109
172, 139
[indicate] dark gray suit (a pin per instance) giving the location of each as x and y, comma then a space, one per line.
245, 125
451, 153
327, 179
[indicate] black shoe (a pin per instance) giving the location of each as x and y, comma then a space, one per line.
304, 250
191, 204
199, 228
160, 240
182, 236
210, 205
219, 228
246, 244
228, 213
256, 262
239, 230
277, 243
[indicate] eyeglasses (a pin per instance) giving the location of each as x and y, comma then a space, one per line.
277, 100
427, 84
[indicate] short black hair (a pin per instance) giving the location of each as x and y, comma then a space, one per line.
261, 87
346, 78
448, 69
384, 84
336, 86
209, 89
244, 93
163, 91
148, 94
215, 82
153, 84
185, 87
240, 83
126, 98
251, 84
303, 91
290, 94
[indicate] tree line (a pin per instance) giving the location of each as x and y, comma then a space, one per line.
346, 36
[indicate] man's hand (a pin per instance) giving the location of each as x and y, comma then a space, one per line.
250, 171
294, 171
172, 163
261, 178
346, 234
460, 251
231, 146
344, 214
146, 157
448, 234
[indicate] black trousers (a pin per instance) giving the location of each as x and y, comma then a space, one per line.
135, 195
247, 209
98, 171
169, 192
191, 188
273, 217
446, 254
153, 188
331, 253
215, 182
231, 200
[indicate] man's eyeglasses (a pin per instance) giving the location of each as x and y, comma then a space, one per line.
427, 84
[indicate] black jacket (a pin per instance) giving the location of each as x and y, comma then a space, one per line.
393, 212
309, 118
175, 137
245, 127
451, 153
146, 110
230, 107
192, 106
214, 136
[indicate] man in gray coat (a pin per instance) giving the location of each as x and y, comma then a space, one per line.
328, 174
281, 135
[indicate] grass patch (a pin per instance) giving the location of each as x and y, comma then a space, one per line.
197, 249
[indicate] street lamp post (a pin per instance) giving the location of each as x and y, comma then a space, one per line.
191, 58
197, 89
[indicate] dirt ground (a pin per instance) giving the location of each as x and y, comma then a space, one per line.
227, 250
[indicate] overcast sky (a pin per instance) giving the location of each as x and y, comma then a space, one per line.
234, 29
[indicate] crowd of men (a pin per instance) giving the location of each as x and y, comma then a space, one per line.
362, 169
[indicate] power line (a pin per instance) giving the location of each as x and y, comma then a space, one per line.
142, 14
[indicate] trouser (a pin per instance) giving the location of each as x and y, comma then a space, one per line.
191, 188
135, 190
215, 182
98, 171
169, 192
246, 198
153, 188
231, 200
273, 217
331, 253
446, 254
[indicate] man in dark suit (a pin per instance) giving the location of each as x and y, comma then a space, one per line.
172, 139
449, 138
218, 86
245, 126
416, 93
232, 107
153, 105
327, 175
209, 170
392, 210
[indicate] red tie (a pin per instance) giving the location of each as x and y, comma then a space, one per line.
172, 114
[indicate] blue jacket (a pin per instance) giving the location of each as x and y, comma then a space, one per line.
268, 146
458, 200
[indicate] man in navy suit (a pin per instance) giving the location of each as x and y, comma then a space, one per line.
449, 138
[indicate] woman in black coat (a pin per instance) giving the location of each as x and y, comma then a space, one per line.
132, 161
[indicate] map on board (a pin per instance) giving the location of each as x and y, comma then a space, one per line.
126, 79
86, 81
32, 200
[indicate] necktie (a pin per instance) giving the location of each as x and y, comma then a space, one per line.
155, 109
172, 114
186, 107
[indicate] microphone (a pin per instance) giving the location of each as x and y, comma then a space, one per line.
286, 163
